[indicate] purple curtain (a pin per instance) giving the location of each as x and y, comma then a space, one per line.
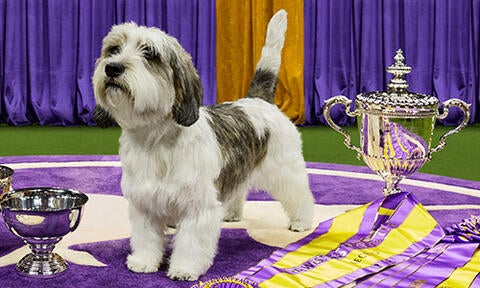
349, 43
48, 51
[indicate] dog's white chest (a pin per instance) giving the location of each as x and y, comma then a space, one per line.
154, 198
166, 182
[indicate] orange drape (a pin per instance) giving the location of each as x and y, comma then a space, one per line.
241, 27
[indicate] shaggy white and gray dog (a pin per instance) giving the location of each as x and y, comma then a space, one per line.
190, 166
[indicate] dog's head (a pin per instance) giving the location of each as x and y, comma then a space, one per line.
143, 74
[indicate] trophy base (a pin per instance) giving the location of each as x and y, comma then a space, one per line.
49, 265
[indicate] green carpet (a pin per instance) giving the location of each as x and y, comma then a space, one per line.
460, 158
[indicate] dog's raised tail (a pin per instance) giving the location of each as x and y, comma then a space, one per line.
266, 73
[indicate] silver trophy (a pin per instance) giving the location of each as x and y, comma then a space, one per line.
6, 174
41, 217
396, 126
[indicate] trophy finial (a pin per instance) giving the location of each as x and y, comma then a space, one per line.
398, 69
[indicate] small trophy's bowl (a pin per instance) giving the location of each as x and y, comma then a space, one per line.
6, 174
41, 217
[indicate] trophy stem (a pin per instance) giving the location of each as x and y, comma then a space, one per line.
391, 184
42, 246
42, 262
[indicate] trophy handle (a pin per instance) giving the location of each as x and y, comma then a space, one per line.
326, 113
466, 116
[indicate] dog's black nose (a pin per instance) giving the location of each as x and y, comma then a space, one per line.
114, 69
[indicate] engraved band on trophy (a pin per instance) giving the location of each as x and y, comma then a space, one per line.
396, 126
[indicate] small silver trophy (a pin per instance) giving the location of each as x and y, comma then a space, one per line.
396, 126
6, 174
41, 217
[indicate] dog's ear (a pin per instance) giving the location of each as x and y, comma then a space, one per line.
103, 118
188, 90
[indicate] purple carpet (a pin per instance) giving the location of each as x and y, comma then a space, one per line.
237, 251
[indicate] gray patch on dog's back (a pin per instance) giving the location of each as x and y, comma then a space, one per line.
241, 147
263, 85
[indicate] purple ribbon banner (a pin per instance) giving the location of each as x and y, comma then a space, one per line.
391, 242
380, 218
428, 269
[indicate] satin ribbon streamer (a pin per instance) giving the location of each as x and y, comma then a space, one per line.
390, 242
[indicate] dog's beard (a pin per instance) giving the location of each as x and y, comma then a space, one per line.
118, 105
112, 95
113, 85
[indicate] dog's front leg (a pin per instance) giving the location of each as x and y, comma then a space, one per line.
195, 244
147, 242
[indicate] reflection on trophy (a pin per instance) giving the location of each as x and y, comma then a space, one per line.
396, 126
6, 174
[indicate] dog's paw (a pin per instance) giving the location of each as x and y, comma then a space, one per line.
141, 265
180, 274
299, 226
232, 218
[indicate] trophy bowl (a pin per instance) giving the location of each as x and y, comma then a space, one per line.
396, 126
41, 217
6, 174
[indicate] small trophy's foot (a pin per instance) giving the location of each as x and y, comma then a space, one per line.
42, 266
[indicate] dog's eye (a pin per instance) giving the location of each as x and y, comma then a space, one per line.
149, 53
113, 50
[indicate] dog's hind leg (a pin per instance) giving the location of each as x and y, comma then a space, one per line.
289, 185
195, 243
233, 205
294, 194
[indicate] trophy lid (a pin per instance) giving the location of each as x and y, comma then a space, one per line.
397, 99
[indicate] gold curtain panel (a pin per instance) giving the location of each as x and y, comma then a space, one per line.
241, 28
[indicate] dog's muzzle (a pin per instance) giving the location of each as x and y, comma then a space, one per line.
114, 69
